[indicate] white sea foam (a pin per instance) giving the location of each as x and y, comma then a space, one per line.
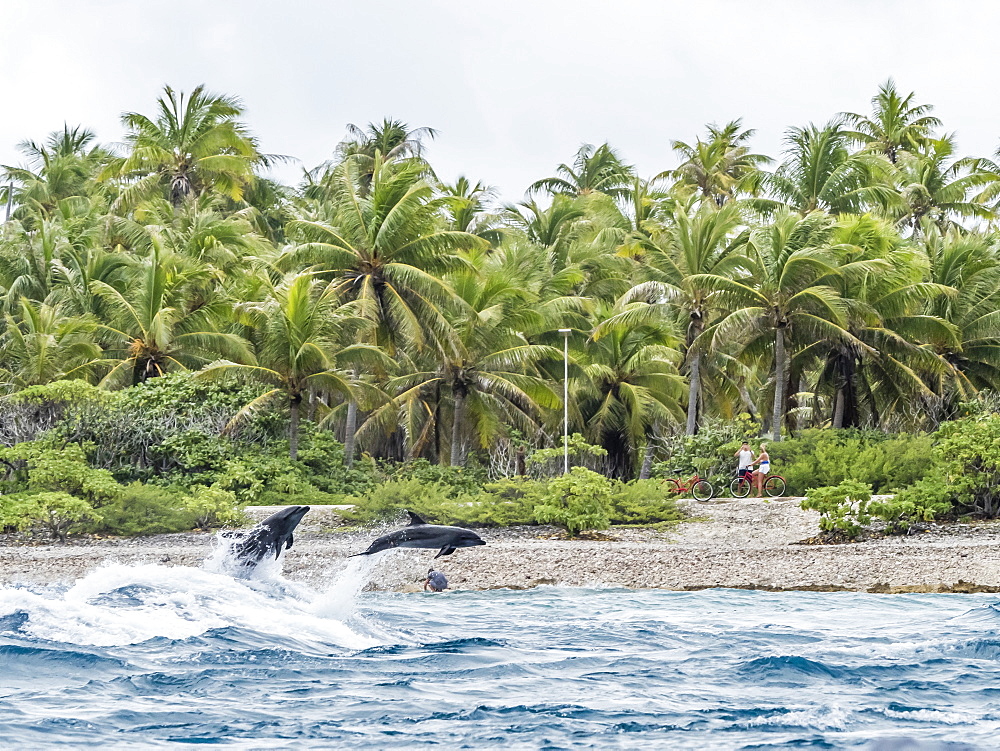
120, 604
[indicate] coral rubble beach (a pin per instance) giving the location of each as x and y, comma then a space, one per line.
748, 543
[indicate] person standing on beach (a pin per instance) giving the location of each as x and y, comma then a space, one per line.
745, 455
763, 462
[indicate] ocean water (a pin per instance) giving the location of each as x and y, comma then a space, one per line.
147, 656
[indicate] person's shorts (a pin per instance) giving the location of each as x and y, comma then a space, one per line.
745, 473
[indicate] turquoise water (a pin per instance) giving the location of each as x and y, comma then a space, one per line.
152, 656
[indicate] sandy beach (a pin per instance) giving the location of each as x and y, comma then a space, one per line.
744, 543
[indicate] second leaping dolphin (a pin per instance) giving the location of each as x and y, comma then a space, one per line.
270, 536
420, 534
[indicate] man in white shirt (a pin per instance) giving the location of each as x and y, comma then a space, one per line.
746, 458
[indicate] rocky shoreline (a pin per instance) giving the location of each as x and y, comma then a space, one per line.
737, 543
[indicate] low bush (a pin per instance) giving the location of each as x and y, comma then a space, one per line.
642, 503
57, 512
551, 462
46, 466
213, 507
843, 508
145, 510
454, 480
577, 501
928, 499
387, 501
824, 457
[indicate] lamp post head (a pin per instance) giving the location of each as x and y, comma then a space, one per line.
565, 332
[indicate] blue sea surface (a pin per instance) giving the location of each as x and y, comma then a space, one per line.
148, 656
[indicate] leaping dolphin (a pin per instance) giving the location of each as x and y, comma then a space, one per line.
420, 534
269, 536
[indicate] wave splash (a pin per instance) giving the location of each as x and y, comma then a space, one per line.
119, 604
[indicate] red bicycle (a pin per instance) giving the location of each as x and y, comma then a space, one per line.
700, 489
774, 486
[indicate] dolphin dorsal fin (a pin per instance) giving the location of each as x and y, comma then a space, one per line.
414, 520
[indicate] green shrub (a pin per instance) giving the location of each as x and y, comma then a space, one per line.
455, 480
643, 502
44, 466
548, 463
823, 457
57, 512
578, 501
146, 510
843, 508
503, 503
213, 507
387, 501
968, 456
929, 498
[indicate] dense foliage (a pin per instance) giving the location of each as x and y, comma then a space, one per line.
189, 323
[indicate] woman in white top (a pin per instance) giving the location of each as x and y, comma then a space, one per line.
763, 462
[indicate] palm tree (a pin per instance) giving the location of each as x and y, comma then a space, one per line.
629, 385
391, 138
935, 188
42, 344
720, 167
466, 206
787, 297
682, 268
887, 311
552, 228
194, 144
386, 251
161, 320
303, 344
491, 375
598, 169
896, 123
820, 173
970, 265
64, 165
389, 141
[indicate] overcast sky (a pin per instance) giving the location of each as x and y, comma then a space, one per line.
513, 87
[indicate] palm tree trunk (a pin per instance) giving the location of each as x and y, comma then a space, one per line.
350, 428
293, 428
694, 387
780, 366
647, 462
838, 408
350, 431
457, 460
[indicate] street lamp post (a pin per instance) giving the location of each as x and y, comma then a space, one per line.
565, 333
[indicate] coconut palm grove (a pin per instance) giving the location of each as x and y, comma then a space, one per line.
178, 325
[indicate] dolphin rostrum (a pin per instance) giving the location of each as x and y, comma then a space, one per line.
420, 534
269, 536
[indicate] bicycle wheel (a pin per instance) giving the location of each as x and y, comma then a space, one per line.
673, 485
702, 490
740, 487
774, 486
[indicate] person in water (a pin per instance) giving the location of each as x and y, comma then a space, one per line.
745, 465
436, 582
763, 462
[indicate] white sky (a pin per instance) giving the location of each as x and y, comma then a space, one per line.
514, 87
